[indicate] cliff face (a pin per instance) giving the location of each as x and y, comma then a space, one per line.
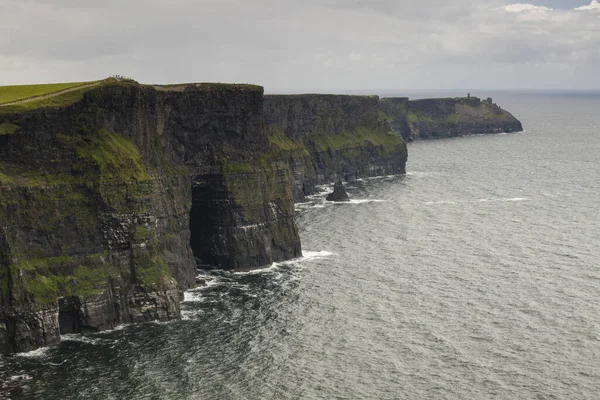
113, 193
324, 138
109, 202
440, 118
396, 109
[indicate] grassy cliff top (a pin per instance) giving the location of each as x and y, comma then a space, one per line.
12, 94
24, 98
181, 87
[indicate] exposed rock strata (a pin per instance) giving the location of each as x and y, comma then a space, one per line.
325, 138
98, 199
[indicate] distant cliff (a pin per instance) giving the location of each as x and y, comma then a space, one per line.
324, 138
441, 118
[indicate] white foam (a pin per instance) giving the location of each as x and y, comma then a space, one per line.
365, 201
41, 352
429, 203
505, 199
356, 201
23, 377
311, 255
306, 256
195, 295
73, 337
192, 296
115, 329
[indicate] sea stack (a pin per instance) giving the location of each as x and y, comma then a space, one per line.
339, 193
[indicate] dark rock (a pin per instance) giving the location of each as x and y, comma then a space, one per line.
339, 193
107, 203
451, 117
325, 138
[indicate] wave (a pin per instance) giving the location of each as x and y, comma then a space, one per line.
355, 201
195, 295
311, 255
365, 201
306, 256
504, 199
81, 338
37, 353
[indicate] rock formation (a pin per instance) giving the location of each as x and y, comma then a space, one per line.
442, 118
325, 138
113, 193
110, 200
339, 193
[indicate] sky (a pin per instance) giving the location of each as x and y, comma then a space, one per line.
306, 45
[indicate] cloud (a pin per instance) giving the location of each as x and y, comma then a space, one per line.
307, 45
520, 7
593, 6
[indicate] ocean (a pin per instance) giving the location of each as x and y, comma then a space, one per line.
475, 276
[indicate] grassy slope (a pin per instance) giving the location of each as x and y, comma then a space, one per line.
15, 93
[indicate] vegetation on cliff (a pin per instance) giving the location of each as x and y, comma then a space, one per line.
430, 118
9, 94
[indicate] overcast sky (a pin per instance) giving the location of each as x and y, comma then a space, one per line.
306, 44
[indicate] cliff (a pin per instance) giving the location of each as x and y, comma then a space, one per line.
441, 118
112, 193
325, 138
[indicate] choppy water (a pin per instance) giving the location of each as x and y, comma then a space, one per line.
475, 276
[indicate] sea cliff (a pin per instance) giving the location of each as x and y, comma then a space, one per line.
113, 194
450, 117
325, 138
111, 197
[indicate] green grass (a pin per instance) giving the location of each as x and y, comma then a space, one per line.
7, 128
154, 272
209, 86
358, 137
109, 155
283, 142
5, 180
50, 99
15, 93
61, 100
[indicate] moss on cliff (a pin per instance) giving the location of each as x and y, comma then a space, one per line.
154, 271
358, 137
279, 141
8, 128
107, 156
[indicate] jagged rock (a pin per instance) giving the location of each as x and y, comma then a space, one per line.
339, 193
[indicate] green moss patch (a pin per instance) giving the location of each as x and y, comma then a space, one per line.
46, 279
283, 142
7, 128
154, 272
107, 156
358, 137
